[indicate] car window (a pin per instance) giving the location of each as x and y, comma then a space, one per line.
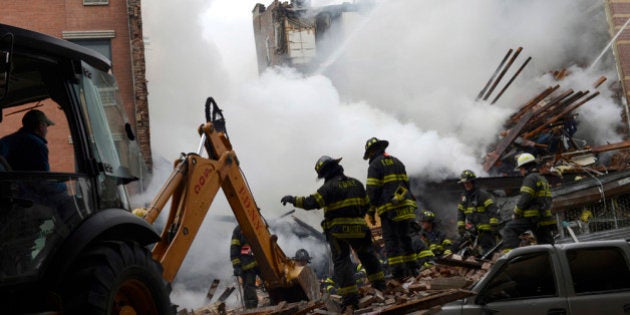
598, 269
526, 276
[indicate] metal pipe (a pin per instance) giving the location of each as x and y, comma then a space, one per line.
609, 44
511, 80
505, 69
202, 143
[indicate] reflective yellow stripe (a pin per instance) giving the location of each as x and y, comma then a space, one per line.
494, 221
236, 241
389, 206
425, 253
484, 227
460, 207
358, 202
531, 213
460, 223
299, 202
395, 177
395, 260
376, 276
347, 221
518, 210
348, 290
371, 181
409, 258
469, 210
250, 265
528, 190
488, 202
481, 209
447, 242
236, 261
547, 222
319, 199
547, 213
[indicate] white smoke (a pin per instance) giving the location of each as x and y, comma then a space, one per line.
410, 75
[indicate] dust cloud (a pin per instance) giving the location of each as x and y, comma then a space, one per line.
410, 75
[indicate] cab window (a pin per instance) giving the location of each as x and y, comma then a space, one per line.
598, 270
523, 277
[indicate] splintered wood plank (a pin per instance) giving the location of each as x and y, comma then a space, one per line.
531, 103
459, 263
212, 289
504, 143
427, 302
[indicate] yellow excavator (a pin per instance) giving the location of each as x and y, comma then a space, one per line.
192, 186
69, 243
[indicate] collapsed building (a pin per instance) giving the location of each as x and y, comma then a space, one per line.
297, 35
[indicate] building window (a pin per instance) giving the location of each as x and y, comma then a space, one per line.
95, 2
101, 45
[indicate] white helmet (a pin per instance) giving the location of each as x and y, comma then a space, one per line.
524, 158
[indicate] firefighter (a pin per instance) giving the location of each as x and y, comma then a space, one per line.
477, 209
245, 266
302, 258
345, 203
424, 255
437, 241
533, 209
390, 197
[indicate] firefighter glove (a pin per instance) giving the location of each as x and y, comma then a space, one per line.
238, 271
287, 199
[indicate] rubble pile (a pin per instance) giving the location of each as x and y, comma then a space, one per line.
544, 126
434, 286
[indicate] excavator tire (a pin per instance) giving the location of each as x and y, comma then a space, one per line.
115, 277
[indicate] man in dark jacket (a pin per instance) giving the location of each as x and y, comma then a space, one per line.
390, 197
245, 266
533, 209
27, 148
345, 204
477, 209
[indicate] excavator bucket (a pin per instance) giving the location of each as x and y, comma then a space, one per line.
304, 286
309, 283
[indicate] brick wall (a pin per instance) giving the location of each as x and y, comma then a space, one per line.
618, 13
53, 17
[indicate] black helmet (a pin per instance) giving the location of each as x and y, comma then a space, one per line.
324, 164
372, 145
467, 176
303, 255
427, 216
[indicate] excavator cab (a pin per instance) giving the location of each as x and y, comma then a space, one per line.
65, 217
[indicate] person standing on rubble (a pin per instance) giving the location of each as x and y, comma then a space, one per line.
476, 213
245, 266
345, 203
390, 197
533, 209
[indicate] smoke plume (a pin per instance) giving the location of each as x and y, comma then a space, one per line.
408, 73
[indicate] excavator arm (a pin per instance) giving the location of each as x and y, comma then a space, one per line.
192, 186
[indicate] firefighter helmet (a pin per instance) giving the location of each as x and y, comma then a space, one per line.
467, 176
372, 145
323, 164
302, 255
524, 159
427, 216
